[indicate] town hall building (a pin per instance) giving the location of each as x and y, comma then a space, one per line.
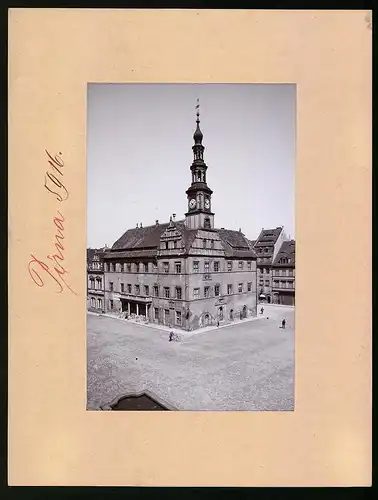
184, 273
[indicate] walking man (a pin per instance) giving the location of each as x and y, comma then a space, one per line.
262, 311
283, 323
170, 336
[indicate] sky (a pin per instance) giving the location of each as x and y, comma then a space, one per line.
139, 152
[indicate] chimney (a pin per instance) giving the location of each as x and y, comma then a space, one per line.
141, 225
137, 225
174, 217
239, 229
157, 222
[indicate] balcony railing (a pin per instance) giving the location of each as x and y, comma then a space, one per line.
96, 291
131, 296
278, 287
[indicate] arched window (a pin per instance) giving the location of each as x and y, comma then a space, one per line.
206, 223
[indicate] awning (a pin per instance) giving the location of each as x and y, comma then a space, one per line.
262, 295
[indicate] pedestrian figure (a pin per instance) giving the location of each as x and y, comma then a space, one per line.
218, 323
262, 311
283, 323
170, 336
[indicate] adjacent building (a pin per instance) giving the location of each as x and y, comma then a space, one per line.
95, 280
283, 275
266, 248
184, 273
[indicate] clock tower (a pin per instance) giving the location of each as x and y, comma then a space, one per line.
199, 214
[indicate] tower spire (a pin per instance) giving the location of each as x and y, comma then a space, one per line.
199, 194
198, 136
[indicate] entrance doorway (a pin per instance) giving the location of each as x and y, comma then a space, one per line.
231, 314
206, 320
268, 299
245, 310
220, 313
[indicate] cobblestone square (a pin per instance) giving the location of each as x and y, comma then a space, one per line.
246, 366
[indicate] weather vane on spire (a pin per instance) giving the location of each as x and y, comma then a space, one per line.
198, 107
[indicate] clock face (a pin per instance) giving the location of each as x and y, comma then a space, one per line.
192, 203
207, 203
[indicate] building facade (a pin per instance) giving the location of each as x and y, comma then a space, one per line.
95, 280
184, 273
283, 275
266, 248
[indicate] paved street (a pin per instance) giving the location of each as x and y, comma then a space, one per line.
246, 366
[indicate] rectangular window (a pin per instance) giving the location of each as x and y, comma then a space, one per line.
178, 292
156, 309
166, 292
261, 282
206, 267
111, 286
145, 268
196, 293
106, 268
249, 265
128, 267
111, 304
249, 287
290, 272
93, 302
195, 266
216, 267
178, 267
166, 267
122, 287
229, 265
229, 289
207, 292
99, 303
154, 267
129, 288
156, 291
137, 289
146, 290
240, 287
240, 264
166, 315
178, 317
266, 282
111, 266
216, 290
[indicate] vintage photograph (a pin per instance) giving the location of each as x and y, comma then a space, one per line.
191, 247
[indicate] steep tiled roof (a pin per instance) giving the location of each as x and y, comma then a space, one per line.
144, 241
287, 250
235, 244
148, 238
268, 237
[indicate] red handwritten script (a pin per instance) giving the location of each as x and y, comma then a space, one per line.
39, 271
